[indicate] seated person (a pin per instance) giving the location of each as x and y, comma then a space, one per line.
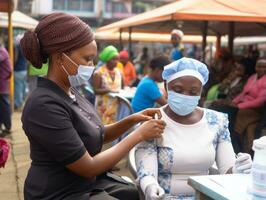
106, 79
254, 92
230, 87
128, 68
220, 68
194, 138
65, 133
245, 110
148, 93
250, 103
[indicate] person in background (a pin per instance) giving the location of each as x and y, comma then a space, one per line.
128, 68
142, 62
108, 78
20, 74
221, 67
65, 133
193, 140
178, 48
245, 109
5, 74
254, 92
103, 60
233, 84
250, 103
148, 92
224, 92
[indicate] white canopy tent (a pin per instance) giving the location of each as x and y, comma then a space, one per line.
19, 20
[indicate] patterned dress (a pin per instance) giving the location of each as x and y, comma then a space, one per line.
107, 105
183, 151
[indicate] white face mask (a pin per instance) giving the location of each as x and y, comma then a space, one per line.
83, 75
182, 104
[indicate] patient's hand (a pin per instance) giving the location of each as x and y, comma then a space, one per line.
154, 192
243, 164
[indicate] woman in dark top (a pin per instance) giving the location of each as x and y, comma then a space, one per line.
64, 130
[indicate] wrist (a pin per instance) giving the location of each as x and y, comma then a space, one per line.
137, 136
133, 118
147, 181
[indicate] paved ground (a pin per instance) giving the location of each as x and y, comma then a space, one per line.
13, 175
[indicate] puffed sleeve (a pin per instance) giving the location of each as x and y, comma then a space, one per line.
147, 163
49, 124
225, 156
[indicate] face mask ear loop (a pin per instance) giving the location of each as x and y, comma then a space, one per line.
70, 60
64, 69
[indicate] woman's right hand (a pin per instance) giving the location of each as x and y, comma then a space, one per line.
151, 129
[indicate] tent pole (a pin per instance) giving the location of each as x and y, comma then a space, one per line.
204, 38
11, 53
120, 39
231, 36
129, 41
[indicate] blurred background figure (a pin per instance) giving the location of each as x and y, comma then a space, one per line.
219, 69
148, 92
210, 52
5, 74
106, 79
245, 110
192, 51
20, 74
142, 62
128, 68
224, 92
178, 48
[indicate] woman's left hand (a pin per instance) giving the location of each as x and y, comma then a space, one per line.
243, 164
146, 115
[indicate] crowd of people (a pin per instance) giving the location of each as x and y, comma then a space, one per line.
218, 108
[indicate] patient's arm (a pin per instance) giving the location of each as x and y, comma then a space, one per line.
147, 163
225, 155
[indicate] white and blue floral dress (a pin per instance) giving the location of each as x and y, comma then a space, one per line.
183, 151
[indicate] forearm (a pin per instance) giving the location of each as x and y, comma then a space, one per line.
101, 91
115, 130
88, 166
107, 159
259, 102
225, 158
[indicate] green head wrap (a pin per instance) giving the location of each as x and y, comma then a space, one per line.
108, 53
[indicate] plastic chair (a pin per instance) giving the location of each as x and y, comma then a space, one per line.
124, 110
133, 170
132, 162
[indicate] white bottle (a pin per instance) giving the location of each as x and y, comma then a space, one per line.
259, 168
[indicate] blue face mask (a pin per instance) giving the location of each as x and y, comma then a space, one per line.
182, 104
83, 75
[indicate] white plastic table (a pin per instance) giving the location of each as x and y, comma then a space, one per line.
221, 187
